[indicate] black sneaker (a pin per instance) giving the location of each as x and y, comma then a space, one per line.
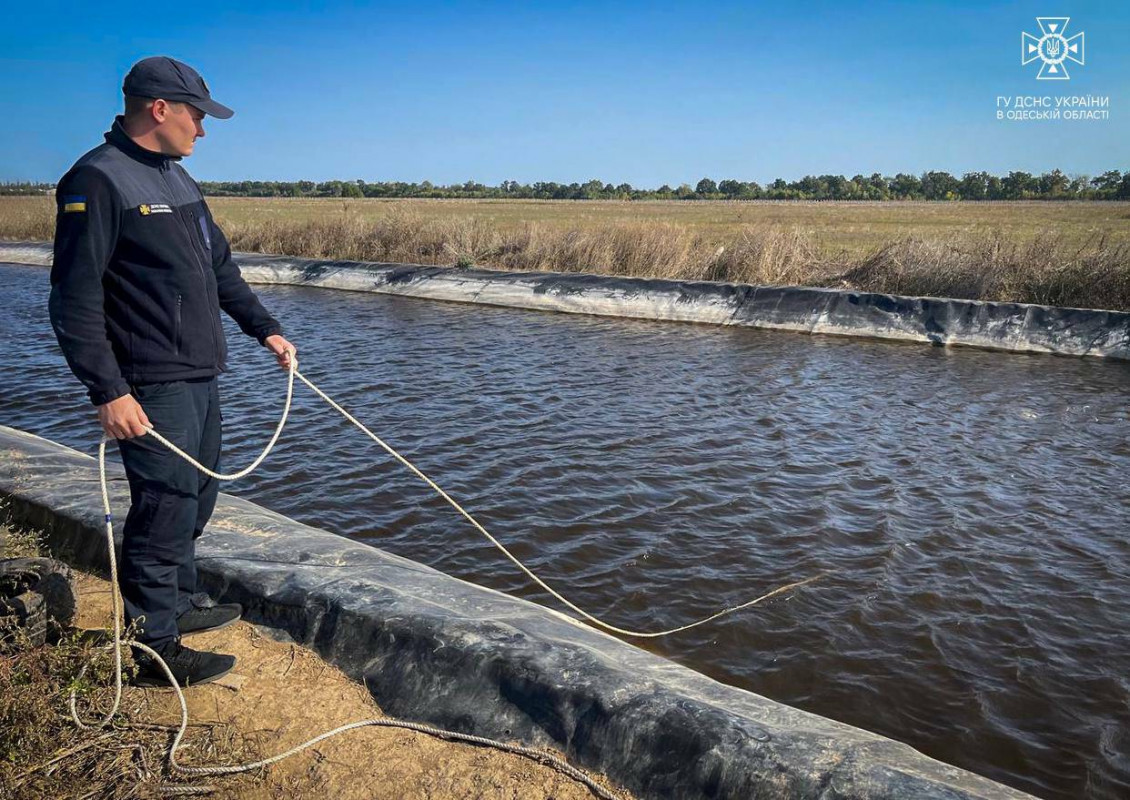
205, 614
189, 667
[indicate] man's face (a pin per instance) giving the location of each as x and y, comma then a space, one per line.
178, 131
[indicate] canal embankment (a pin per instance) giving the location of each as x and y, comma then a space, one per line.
280, 695
1013, 327
436, 649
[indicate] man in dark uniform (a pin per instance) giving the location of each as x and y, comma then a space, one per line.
140, 275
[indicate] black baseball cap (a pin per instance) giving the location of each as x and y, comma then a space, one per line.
169, 79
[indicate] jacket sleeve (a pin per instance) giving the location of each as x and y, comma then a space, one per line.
87, 222
236, 297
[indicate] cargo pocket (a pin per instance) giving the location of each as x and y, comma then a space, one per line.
154, 470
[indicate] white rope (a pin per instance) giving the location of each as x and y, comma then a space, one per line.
594, 620
529, 752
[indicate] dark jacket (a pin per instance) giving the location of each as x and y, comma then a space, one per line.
141, 272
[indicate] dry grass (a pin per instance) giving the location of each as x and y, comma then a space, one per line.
42, 753
1049, 269
18, 542
27, 218
852, 228
282, 694
1075, 254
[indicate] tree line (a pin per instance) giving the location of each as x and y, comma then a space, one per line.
1054, 185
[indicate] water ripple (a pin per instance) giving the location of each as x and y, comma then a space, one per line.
974, 506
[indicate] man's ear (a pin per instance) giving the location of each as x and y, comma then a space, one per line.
160, 110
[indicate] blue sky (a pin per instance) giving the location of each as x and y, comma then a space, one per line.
647, 93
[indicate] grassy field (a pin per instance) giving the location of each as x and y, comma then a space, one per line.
852, 227
1070, 253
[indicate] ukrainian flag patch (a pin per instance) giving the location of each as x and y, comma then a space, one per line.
74, 202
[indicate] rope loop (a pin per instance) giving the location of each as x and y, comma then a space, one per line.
538, 755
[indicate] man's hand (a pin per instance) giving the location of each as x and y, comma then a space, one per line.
123, 418
283, 350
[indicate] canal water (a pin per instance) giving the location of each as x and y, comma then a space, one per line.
973, 507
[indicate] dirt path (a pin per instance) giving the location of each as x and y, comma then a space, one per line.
282, 694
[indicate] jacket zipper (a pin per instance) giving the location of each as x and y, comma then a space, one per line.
195, 234
196, 251
177, 324
197, 255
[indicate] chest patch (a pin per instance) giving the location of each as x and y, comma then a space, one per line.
154, 208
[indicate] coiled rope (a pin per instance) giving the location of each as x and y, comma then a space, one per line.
529, 752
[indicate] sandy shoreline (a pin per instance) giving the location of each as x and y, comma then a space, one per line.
282, 694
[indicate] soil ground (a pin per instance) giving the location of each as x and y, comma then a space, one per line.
281, 694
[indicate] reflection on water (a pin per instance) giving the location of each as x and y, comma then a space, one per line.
974, 505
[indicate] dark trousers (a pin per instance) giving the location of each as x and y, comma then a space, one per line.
171, 503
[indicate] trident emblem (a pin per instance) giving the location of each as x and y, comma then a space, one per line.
1052, 48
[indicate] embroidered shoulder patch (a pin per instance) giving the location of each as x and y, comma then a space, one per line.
74, 202
154, 208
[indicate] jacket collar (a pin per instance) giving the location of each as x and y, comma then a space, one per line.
117, 136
